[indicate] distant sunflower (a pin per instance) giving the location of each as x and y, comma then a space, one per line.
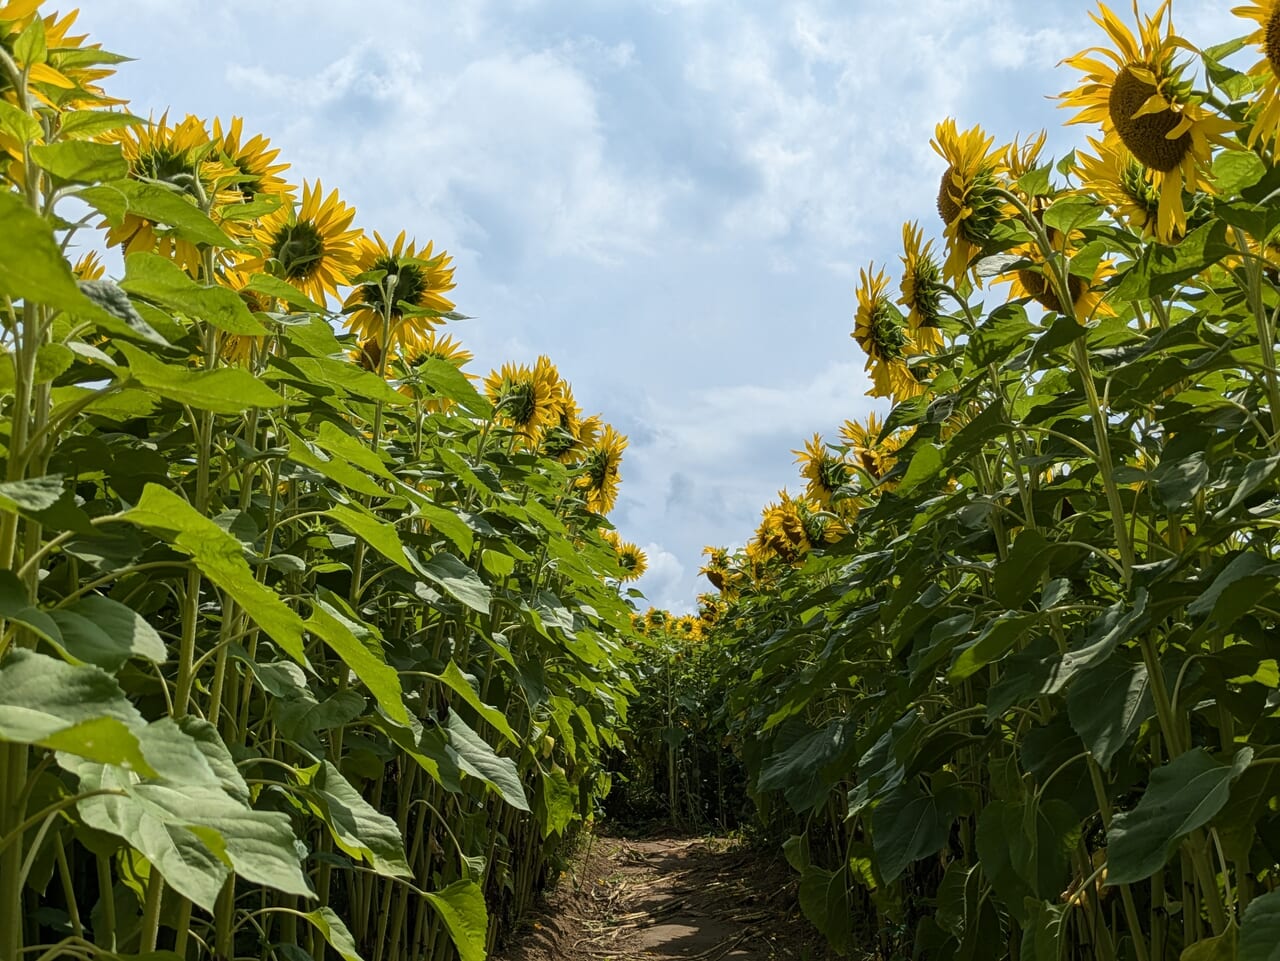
792, 527
922, 288
601, 475
716, 569
825, 471
1140, 99
312, 245
418, 301
525, 397
243, 349
570, 433
630, 558
1119, 181
1266, 110
967, 202
883, 337
871, 452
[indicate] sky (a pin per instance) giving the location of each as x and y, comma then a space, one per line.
671, 199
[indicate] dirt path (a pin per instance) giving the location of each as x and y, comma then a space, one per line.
682, 898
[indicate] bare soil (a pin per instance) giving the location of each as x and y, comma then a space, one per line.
665, 897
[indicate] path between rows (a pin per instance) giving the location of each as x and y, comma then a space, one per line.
686, 898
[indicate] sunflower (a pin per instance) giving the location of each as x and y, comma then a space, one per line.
881, 333
601, 478
873, 453
526, 398
417, 303
89, 267
571, 433
689, 627
310, 245
921, 288
1120, 182
1266, 111
655, 620
252, 173
630, 558
825, 472
967, 202
1033, 282
67, 79
179, 156
1137, 94
716, 569
787, 531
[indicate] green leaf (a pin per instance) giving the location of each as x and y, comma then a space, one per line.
343, 446
457, 682
1004, 332
475, 757
1260, 929
1234, 170
378, 534
445, 520
907, 825
104, 632
83, 124
357, 827
81, 161
157, 203
461, 907
1108, 705
282, 290
32, 267
925, 464
336, 469
18, 124
221, 559
79, 709
1222, 948
1181, 796
557, 801
458, 581
360, 648
226, 390
1246, 580
164, 283
1019, 575
1179, 480
1024, 848
446, 379
1072, 211
335, 933
994, 641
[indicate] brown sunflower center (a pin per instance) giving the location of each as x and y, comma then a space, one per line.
1271, 43
299, 247
1037, 285
948, 208
410, 284
1147, 136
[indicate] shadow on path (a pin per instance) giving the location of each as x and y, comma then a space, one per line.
686, 898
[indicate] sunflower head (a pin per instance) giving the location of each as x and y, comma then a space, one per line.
968, 201
1120, 182
883, 336
1265, 113
601, 475
867, 449
89, 267
630, 558
408, 292
434, 346
527, 398
311, 245
922, 288
825, 471
716, 569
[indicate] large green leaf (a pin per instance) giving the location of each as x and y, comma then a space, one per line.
457, 682
1024, 849
461, 907
101, 631
356, 826
1108, 705
378, 534
225, 390
161, 281
907, 825
81, 161
220, 557
335, 932
458, 581
360, 649
476, 757
1182, 795
1260, 929
157, 203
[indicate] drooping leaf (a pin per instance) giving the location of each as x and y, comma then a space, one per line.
101, 631
476, 757
458, 581
224, 390
360, 650
357, 827
1260, 929
462, 909
161, 281
1108, 705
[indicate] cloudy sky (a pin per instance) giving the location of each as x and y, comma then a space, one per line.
672, 199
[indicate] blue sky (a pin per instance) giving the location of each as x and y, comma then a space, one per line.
671, 199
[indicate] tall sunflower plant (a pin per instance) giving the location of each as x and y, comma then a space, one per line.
1022, 703
292, 658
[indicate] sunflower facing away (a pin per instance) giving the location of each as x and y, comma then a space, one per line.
601, 475
1137, 95
825, 471
311, 245
630, 558
417, 302
967, 202
883, 337
1120, 182
251, 173
526, 397
1266, 112
875, 455
921, 288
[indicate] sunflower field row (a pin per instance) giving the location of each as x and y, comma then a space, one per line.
308, 646
1005, 674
